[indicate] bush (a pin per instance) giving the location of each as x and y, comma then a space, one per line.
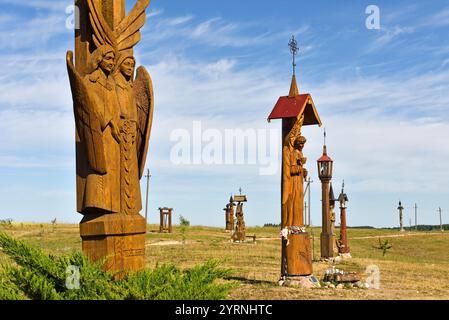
184, 222
43, 277
6, 223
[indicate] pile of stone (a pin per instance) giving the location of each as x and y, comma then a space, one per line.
308, 282
339, 279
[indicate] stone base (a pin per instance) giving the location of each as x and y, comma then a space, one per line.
117, 238
345, 255
308, 282
347, 277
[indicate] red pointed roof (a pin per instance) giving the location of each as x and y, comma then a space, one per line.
325, 157
294, 105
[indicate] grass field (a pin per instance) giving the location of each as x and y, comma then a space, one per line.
416, 267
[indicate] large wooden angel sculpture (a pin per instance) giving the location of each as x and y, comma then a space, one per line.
113, 115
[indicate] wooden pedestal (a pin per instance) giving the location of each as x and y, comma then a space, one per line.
240, 235
117, 238
297, 256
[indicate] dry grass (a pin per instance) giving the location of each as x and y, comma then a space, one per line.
416, 267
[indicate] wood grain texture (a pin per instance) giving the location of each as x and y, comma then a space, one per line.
113, 115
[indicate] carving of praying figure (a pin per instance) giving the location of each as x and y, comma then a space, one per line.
293, 177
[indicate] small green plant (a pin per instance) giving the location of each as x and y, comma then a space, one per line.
184, 223
38, 276
53, 223
42, 231
384, 246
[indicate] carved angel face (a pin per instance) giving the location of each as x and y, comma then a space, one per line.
300, 142
127, 67
107, 64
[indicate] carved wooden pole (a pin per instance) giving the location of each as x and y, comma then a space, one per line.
111, 143
343, 235
296, 110
148, 176
401, 217
170, 226
325, 165
344, 248
161, 220
326, 232
231, 215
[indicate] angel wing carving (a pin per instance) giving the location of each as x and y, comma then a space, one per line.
87, 122
143, 90
123, 38
126, 35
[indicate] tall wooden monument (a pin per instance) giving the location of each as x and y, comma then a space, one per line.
296, 110
113, 111
325, 169
343, 248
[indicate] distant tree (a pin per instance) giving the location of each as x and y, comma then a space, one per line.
184, 223
6, 223
271, 225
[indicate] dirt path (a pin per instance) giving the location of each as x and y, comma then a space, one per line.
401, 235
382, 236
167, 243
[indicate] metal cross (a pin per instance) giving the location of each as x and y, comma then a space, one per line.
240, 190
294, 49
324, 136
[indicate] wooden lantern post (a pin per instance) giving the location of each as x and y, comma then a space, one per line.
343, 249
333, 218
325, 166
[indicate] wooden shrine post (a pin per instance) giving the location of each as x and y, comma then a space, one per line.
239, 234
166, 220
112, 132
296, 110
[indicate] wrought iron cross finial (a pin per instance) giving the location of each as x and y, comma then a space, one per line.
324, 136
294, 49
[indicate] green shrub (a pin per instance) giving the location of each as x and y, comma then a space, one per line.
43, 277
384, 246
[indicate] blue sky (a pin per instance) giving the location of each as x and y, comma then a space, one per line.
382, 95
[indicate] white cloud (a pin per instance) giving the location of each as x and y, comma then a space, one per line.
215, 32
205, 27
176, 21
52, 5
155, 13
440, 19
33, 34
387, 36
